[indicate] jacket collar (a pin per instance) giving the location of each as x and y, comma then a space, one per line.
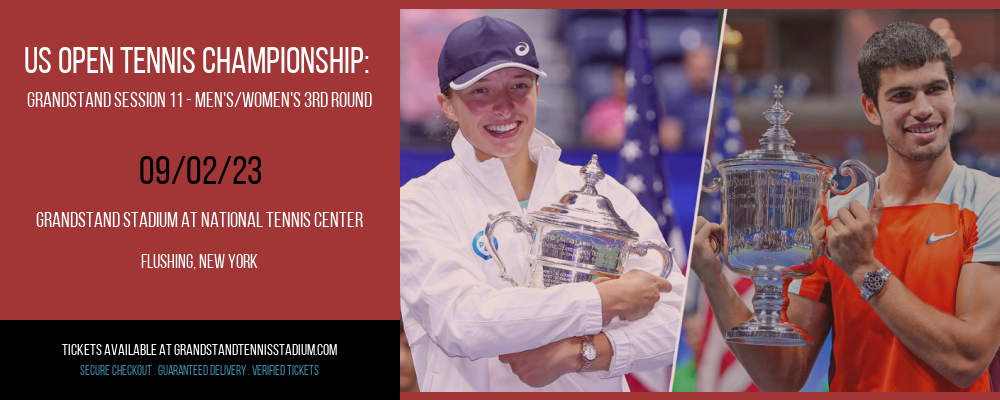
542, 149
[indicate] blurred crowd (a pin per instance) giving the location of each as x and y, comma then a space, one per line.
813, 54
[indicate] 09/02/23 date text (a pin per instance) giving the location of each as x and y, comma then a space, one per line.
160, 171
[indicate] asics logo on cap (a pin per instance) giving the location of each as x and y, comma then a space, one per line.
522, 49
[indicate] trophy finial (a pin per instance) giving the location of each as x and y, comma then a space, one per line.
777, 136
591, 173
778, 114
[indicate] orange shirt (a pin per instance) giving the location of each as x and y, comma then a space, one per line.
925, 246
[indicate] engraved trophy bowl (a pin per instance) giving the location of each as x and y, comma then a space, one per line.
578, 239
774, 213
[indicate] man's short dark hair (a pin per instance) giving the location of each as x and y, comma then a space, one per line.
900, 44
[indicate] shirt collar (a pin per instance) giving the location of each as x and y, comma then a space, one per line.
542, 149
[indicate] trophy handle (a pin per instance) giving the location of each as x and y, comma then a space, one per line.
847, 169
667, 252
519, 226
716, 182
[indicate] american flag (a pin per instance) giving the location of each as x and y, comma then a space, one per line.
718, 369
640, 167
728, 137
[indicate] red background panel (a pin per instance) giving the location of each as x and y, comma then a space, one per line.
87, 159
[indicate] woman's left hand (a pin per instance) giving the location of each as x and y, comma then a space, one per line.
541, 366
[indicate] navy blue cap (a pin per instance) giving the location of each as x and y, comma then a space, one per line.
481, 46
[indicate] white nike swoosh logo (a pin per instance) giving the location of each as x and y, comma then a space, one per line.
933, 238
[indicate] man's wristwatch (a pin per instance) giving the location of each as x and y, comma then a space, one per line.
589, 352
873, 282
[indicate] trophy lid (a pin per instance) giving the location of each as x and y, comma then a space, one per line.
585, 208
775, 144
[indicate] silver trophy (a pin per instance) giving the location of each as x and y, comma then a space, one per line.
578, 239
773, 215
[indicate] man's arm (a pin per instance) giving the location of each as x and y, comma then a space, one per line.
787, 368
959, 346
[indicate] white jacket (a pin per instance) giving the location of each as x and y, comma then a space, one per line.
459, 315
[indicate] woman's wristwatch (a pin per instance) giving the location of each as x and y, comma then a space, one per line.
589, 352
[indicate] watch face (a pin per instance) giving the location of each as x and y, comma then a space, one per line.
874, 281
589, 352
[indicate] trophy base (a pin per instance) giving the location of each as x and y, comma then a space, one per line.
783, 334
